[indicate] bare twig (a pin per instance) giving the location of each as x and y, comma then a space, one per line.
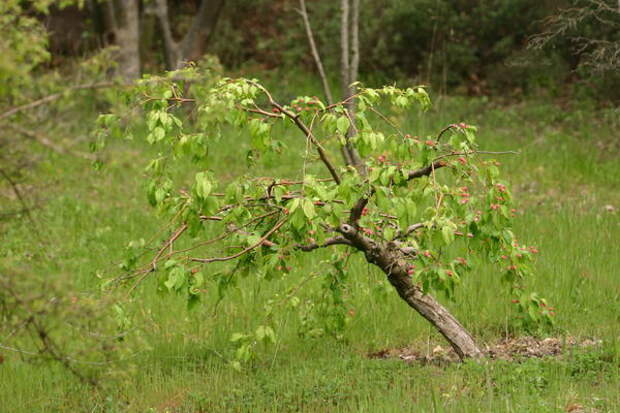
315, 52
55, 96
246, 250
19, 195
167, 244
307, 132
328, 242
49, 144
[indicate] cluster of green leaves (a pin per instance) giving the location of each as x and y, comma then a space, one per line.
23, 44
454, 215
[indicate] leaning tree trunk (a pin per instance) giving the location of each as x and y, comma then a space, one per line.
391, 260
388, 257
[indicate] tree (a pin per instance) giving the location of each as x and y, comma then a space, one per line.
591, 27
123, 18
349, 66
193, 43
425, 212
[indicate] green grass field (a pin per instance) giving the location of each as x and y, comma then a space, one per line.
567, 184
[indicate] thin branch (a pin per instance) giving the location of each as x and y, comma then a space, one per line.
386, 120
307, 132
167, 244
315, 52
55, 96
87, 86
328, 242
18, 194
49, 144
444, 130
246, 250
410, 229
427, 170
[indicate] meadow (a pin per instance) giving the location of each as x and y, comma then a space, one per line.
566, 182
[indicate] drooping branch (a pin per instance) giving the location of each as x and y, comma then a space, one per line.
45, 141
244, 251
89, 86
306, 131
56, 96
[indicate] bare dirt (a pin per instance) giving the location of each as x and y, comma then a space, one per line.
510, 349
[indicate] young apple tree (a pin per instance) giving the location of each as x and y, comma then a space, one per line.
425, 211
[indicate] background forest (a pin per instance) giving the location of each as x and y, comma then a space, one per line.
109, 107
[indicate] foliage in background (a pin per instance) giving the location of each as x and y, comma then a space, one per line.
467, 46
588, 33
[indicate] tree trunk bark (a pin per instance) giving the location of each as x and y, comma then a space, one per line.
125, 20
391, 261
197, 38
171, 47
428, 307
349, 61
194, 43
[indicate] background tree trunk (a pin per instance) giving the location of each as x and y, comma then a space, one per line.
124, 19
195, 41
349, 65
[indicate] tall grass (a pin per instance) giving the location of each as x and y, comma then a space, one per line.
562, 179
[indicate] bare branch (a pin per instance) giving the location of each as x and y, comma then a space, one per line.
328, 242
48, 143
245, 251
427, 170
167, 244
307, 132
55, 96
315, 52
19, 195
410, 229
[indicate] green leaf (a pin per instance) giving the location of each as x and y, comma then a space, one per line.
159, 133
176, 279
203, 185
237, 337
448, 234
294, 205
343, 124
308, 208
265, 333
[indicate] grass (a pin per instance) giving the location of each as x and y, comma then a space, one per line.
566, 174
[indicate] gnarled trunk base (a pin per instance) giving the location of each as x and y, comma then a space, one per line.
391, 259
428, 307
